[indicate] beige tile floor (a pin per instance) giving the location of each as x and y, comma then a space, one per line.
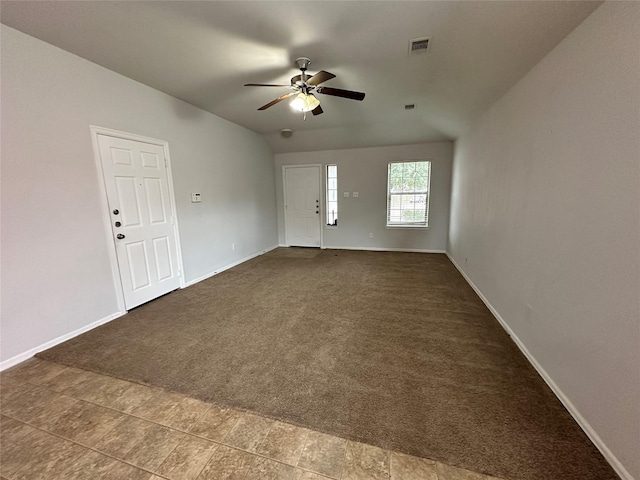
60, 422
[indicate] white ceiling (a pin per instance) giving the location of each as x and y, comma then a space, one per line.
204, 51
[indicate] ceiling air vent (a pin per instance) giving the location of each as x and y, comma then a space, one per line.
419, 45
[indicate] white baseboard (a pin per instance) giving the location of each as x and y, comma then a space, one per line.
375, 249
586, 427
383, 249
231, 265
21, 357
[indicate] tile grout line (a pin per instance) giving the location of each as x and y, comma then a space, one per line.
344, 459
224, 437
22, 467
165, 458
304, 444
388, 452
205, 463
262, 442
255, 454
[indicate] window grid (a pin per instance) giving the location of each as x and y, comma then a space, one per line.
332, 195
408, 193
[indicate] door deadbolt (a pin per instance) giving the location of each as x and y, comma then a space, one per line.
118, 224
116, 211
120, 236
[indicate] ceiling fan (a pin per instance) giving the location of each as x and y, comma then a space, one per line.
304, 88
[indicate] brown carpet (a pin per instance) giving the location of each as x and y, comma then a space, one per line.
391, 349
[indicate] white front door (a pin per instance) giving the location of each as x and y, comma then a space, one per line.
137, 185
302, 205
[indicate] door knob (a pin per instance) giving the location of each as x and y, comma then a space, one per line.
116, 211
118, 224
120, 236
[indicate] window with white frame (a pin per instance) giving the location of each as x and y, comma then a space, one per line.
408, 186
332, 195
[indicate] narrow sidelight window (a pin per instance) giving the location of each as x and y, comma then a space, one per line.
332, 195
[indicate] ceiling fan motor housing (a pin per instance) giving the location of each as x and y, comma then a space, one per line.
303, 63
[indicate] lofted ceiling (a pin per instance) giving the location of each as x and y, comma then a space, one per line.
203, 52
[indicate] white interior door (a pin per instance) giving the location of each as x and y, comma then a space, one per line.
137, 185
302, 205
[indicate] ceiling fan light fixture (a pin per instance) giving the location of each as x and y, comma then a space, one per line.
304, 102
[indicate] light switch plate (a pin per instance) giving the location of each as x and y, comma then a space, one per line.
345, 194
195, 198
355, 194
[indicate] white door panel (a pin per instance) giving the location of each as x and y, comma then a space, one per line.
137, 185
162, 255
302, 205
138, 267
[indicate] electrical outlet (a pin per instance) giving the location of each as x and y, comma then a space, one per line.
355, 194
370, 234
195, 198
345, 194
233, 246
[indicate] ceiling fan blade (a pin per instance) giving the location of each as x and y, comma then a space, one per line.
277, 100
317, 111
264, 85
338, 92
320, 77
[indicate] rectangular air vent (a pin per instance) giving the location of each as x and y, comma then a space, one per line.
419, 45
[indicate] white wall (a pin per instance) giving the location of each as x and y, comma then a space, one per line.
545, 221
364, 170
56, 275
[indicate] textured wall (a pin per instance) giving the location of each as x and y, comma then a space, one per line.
545, 219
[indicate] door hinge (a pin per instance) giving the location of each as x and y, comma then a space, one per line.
166, 163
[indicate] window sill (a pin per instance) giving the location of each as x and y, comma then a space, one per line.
393, 227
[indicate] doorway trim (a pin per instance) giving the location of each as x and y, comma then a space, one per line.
113, 258
320, 191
